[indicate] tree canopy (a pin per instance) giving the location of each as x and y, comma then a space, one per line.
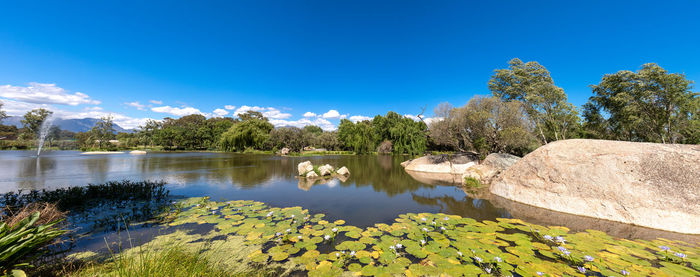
648, 105
545, 103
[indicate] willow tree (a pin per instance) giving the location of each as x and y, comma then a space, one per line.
544, 102
648, 105
252, 130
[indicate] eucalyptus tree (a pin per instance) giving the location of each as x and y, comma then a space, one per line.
648, 105
3, 115
33, 119
103, 132
545, 103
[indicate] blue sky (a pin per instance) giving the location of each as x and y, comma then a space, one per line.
138, 60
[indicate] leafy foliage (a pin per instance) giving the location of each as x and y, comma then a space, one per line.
33, 119
252, 131
545, 103
406, 135
20, 243
650, 105
485, 125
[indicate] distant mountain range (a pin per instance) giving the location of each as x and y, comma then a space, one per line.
73, 125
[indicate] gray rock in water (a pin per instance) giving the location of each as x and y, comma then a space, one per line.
646, 184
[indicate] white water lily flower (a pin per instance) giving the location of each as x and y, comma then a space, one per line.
423, 219
326, 237
459, 253
398, 245
334, 230
352, 253
422, 242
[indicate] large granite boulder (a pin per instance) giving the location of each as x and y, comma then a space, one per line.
449, 164
305, 167
494, 164
645, 184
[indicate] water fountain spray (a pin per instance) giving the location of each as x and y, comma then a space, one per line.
44, 132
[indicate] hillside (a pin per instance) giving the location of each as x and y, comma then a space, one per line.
73, 125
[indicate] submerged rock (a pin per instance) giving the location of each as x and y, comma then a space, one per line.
494, 164
138, 152
304, 168
646, 184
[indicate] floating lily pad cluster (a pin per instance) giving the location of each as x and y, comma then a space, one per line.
434, 244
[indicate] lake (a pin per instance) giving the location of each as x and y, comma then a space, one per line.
377, 190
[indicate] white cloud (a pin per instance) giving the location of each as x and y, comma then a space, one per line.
320, 122
356, 118
427, 120
430, 120
243, 109
276, 114
39, 93
17, 108
229, 107
220, 112
309, 114
269, 112
331, 114
414, 117
177, 111
157, 102
136, 105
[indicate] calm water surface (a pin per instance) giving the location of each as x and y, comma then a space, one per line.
377, 190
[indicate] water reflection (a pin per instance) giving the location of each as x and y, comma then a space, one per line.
377, 190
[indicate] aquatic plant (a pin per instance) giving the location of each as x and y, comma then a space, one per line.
20, 243
417, 244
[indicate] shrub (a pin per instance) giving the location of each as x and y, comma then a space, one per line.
472, 182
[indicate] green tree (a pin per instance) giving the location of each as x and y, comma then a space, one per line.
251, 131
486, 125
359, 137
147, 133
328, 141
3, 115
290, 137
545, 103
648, 105
33, 119
103, 132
